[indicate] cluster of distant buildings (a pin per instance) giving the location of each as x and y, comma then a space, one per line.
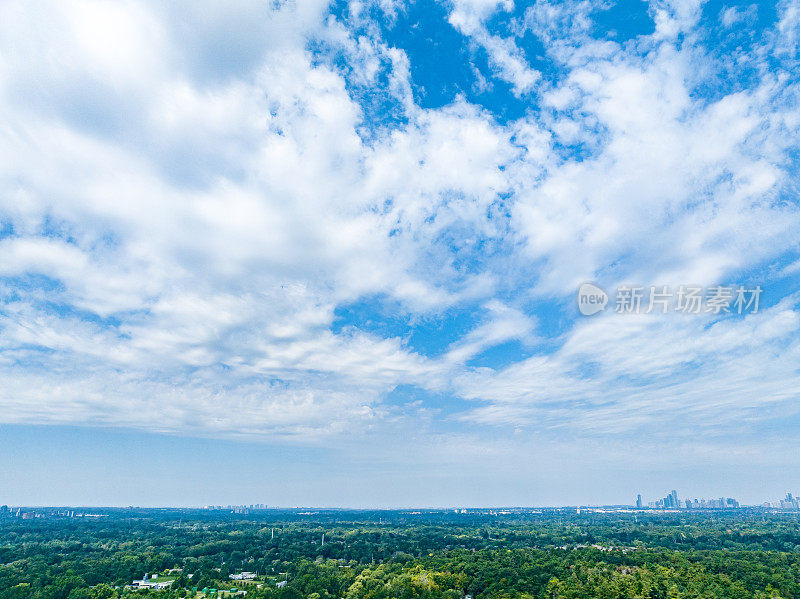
24, 513
787, 503
671, 501
237, 509
253, 575
151, 583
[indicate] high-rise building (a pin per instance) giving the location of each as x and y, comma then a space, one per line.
639, 502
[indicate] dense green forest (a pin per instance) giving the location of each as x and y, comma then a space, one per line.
551, 553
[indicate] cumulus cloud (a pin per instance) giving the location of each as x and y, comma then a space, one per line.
189, 200
621, 373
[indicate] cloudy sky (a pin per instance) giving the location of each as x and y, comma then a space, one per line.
310, 253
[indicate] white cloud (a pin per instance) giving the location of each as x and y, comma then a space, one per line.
217, 225
198, 191
668, 375
732, 15
505, 57
503, 324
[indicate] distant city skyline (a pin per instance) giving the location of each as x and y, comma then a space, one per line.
671, 500
789, 502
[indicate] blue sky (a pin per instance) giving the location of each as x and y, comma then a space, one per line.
330, 252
